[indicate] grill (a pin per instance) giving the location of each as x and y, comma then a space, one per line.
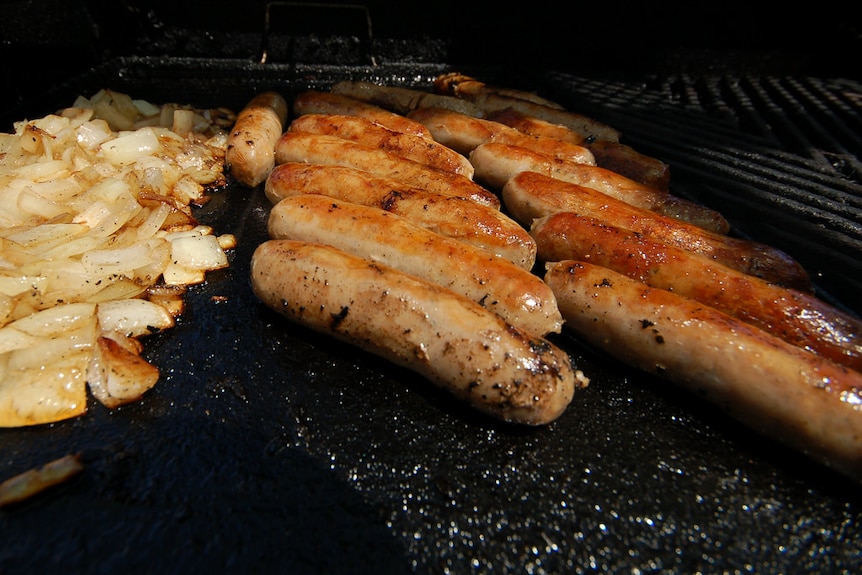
778, 155
268, 448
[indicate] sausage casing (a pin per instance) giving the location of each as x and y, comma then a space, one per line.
530, 195
429, 152
450, 340
516, 294
489, 100
250, 152
455, 217
613, 156
401, 100
317, 102
465, 133
776, 388
536, 127
496, 163
332, 150
797, 317
467, 87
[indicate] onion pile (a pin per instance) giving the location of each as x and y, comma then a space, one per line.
98, 244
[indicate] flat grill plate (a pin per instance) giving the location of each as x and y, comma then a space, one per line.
268, 448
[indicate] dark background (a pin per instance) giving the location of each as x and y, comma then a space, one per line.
44, 41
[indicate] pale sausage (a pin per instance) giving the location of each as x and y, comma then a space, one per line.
250, 152
516, 294
453, 342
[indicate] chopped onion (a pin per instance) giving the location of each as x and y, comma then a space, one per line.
129, 147
92, 201
133, 317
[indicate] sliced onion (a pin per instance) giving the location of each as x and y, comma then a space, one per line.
91, 201
56, 320
117, 375
129, 147
133, 317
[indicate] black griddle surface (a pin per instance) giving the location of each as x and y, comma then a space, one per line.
267, 448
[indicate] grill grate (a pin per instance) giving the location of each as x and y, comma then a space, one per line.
778, 156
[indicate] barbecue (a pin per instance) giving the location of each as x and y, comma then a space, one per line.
267, 447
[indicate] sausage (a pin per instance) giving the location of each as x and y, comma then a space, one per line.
613, 156
331, 150
464, 86
536, 127
589, 128
796, 317
317, 102
488, 101
464, 133
458, 218
530, 195
250, 152
630, 163
401, 100
516, 294
453, 342
423, 150
496, 163
776, 388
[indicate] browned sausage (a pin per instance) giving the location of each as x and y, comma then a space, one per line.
331, 150
776, 388
452, 216
516, 294
317, 102
468, 87
536, 127
630, 163
796, 317
613, 156
492, 100
365, 132
464, 133
530, 195
399, 99
496, 163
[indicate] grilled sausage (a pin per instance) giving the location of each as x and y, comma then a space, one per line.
331, 150
423, 150
776, 388
628, 162
613, 156
536, 127
399, 99
448, 339
529, 195
250, 152
464, 133
516, 294
317, 102
467, 87
451, 216
496, 163
796, 317
489, 100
